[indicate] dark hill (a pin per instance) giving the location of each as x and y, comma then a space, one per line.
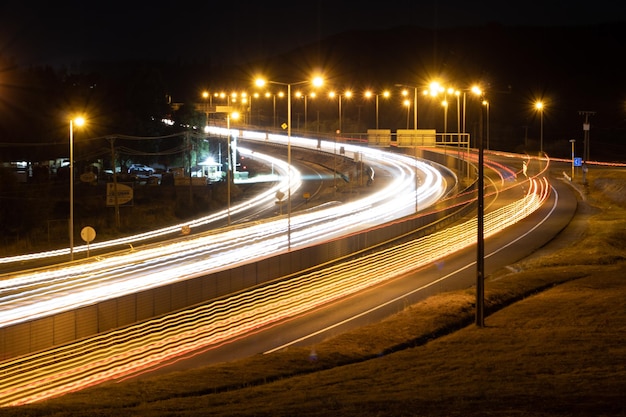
569, 68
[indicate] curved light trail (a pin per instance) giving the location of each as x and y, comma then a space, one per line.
266, 197
33, 294
143, 346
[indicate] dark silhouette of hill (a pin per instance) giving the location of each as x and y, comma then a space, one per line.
570, 68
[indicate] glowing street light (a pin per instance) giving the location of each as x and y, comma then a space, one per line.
231, 158
369, 94
487, 105
280, 94
317, 82
480, 238
78, 121
407, 103
346, 94
406, 93
306, 111
539, 106
206, 95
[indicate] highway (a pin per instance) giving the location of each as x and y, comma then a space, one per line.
32, 294
150, 345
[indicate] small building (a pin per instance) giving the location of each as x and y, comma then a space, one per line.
210, 170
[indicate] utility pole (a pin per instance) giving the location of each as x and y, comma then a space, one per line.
480, 239
586, 127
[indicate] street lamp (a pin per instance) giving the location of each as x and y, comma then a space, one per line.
487, 105
407, 103
572, 141
273, 95
306, 111
229, 174
368, 94
406, 93
317, 82
78, 121
346, 94
477, 91
206, 95
539, 107
480, 239
444, 104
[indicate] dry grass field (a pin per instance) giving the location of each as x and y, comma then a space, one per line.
554, 344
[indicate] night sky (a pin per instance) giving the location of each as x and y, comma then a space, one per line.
235, 32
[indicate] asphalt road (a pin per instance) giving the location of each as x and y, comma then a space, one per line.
454, 272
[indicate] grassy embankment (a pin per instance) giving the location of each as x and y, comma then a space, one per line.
554, 344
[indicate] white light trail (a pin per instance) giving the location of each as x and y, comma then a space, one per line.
143, 346
33, 294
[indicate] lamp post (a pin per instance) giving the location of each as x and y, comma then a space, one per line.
539, 107
586, 128
346, 94
407, 103
368, 94
486, 104
406, 93
306, 111
317, 82
444, 103
79, 121
273, 95
229, 174
572, 141
477, 92
480, 238
206, 95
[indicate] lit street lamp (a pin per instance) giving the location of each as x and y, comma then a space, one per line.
79, 121
231, 159
480, 239
306, 111
539, 107
369, 94
487, 104
280, 94
572, 141
475, 90
407, 103
346, 94
206, 95
317, 82
406, 93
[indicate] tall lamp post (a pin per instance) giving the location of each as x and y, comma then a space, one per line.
487, 104
346, 94
78, 121
407, 103
368, 94
406, 93
229, 174
475, 90
480, 238
539, 107
206, 95
317, 82
572, 141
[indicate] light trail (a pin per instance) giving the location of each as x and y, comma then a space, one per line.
266, 197
40, 293
144, 346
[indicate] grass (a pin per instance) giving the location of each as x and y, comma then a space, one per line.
554, 344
